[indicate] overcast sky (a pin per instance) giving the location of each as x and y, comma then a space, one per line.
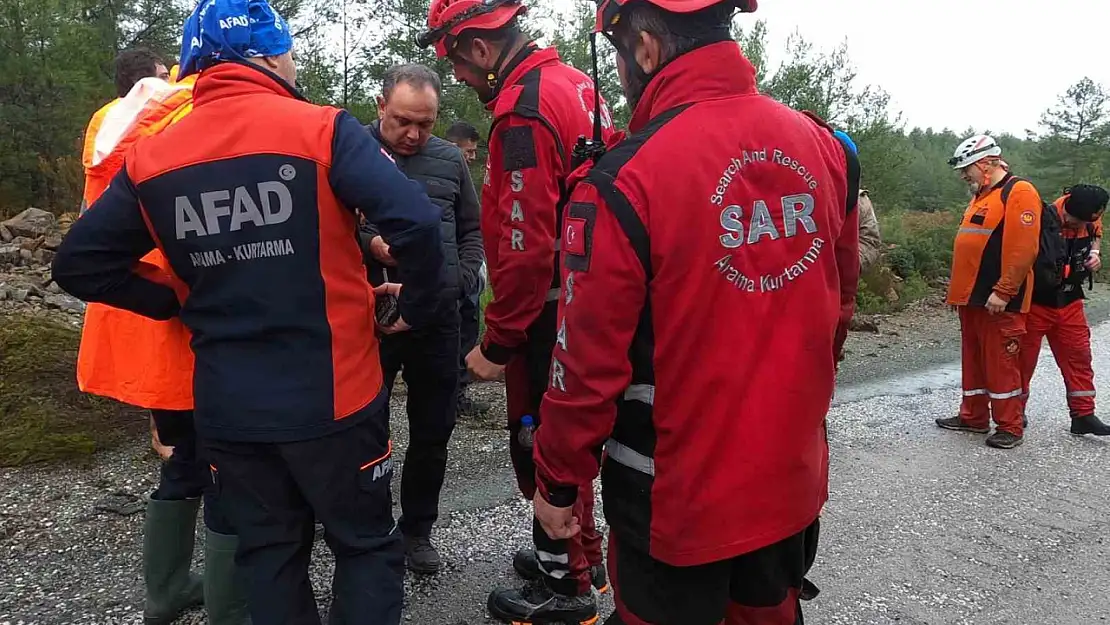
991, 65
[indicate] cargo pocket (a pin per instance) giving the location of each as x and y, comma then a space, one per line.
217, 516
376, 499
373, 474
214, 476
1012, 330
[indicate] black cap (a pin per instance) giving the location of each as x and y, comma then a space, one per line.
1086, 201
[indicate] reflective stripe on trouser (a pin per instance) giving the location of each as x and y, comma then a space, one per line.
1069, 337
992, 380
757, 588
564, 562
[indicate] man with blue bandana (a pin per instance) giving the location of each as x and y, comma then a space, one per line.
254, 199
870, 241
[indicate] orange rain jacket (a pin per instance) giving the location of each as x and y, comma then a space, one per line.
996, 246
133, 359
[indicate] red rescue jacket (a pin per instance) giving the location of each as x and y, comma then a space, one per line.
538, 116
710, 270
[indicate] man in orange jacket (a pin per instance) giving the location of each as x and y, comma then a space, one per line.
290, 411
991, 288
1057, 310
149, 364
131, 66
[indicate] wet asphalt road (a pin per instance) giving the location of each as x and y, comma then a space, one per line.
923, 526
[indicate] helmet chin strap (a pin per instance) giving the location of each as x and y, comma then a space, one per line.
494, 76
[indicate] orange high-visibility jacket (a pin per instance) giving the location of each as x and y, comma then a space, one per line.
124, 356
996, 246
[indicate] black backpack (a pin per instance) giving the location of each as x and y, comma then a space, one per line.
1052, 252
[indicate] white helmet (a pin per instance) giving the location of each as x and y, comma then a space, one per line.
974, 150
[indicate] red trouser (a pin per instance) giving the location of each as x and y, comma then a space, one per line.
526, 380
1069, 337
992, 368
758, 588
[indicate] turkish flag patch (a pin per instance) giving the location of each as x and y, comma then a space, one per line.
574, 237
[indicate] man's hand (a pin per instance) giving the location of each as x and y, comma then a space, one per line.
379, 249
1094, 261
995, 304
558, 523
482, 368
394, 289
164, 451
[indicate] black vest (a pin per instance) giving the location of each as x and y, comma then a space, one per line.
436, 168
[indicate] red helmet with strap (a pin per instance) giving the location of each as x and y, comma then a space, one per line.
447, 19
608, 11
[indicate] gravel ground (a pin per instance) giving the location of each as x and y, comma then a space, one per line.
924, 525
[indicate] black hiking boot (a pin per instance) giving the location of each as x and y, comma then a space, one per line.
421, 556
527, 566
1003, 440
1089, 424
536, 604
958, 424
599, 579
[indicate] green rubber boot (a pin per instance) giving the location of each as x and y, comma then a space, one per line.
168, 537
225, 599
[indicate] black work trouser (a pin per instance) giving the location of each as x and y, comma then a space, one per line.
186, 475
469, 311
428, 361
758, 588
273, 491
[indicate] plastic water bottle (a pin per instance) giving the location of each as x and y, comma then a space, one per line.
527, 432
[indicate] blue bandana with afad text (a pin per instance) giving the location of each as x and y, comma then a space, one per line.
230, 30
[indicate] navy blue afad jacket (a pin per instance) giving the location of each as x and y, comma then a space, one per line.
251, 197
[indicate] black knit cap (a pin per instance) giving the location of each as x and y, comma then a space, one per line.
1086, 201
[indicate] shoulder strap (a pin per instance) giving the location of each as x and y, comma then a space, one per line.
603, 176
1009, 186
626, 216
852, 201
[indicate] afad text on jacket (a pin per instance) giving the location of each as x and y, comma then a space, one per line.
251, 198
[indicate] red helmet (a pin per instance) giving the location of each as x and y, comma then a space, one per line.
448, 18
608, 11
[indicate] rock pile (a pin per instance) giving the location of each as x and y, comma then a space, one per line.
27, 245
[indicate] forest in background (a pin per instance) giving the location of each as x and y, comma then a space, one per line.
56, 70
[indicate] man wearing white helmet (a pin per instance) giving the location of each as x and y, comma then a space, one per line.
991, 287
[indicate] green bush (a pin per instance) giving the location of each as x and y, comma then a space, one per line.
43, 416
926, 237
902, 262
921, 250
869, 303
